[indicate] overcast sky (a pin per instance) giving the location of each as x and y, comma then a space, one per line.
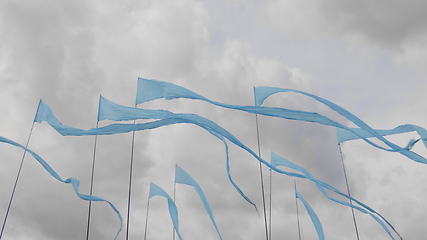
367, 56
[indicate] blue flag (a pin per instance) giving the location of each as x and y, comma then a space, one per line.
183, 177
277, 160
314, 219
73, 181
344, 135
280, 161
213, 129
173, 211
148, 90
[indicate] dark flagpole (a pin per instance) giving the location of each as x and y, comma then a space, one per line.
16, 182
146, 218
91, 179
296, 206
174, 198
271, 184
130, 182
261, 177
348, 191
17, 177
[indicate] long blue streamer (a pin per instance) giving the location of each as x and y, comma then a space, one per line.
217, 131
148, 90
173, 211
139, 112
261, 93
109, 110
344, 135
314, 219
322, 186
44, 113
181, 176
73, 181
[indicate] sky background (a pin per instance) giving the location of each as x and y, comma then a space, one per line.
367, 56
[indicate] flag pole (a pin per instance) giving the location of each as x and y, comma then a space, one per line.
91, 180
270, 208
174, 198
261, 176
130, 181
17, 176
348, 191
296, 206
146, 218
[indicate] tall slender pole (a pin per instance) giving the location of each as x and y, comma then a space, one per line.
270, 222
91, 184
348, 191
262, 179
16, 181
174, 198
296, 206
146, 218
130, 182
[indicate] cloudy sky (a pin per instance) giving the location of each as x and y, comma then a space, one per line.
367, 56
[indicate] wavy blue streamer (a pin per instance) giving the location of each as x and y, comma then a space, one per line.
314, 218
173, 211
148, 90
181, 176
277, 161
344, 135
73, 181
261, 93
208, 125
238, 189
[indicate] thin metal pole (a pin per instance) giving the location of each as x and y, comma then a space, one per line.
270, 225
16, 181
296, 206
174, 198
130, 182
348, 191
146, 218
262, 179
91, 184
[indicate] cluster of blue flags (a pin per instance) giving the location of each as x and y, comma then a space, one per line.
148, 90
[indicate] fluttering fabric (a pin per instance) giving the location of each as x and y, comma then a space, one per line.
47, 115
109, 110
73, 181
182, 177
148, 90
262, 93
173, 211
126, 111
112, 111
277, 160
344, 135
314, 219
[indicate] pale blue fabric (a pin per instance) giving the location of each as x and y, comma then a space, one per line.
277, 160
152, 89
173, 211
313, 216
113, 111
73, 181
182, 177
261, 93
210, 126
280, 161
109, 110
344, 135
